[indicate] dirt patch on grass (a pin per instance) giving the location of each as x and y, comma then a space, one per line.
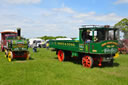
21, 61
113, 73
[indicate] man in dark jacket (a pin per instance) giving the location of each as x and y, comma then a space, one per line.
86, 36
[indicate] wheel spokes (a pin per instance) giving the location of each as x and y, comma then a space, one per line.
86, 61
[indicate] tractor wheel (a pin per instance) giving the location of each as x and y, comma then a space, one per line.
10, 56
61, 55
87, 61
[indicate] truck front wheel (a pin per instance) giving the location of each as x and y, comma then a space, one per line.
87, 61
10, 56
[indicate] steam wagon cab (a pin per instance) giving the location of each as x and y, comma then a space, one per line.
6, 36
96, 44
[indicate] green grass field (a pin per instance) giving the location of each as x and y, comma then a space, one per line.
45, 69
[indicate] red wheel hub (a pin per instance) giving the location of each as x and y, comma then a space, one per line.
87, 61
60, 55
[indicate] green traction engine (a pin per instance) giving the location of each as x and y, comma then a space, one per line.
17, 48
96, 45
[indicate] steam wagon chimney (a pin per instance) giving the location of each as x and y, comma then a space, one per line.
19, 33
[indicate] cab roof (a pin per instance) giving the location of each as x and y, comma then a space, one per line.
105, 27
8, 31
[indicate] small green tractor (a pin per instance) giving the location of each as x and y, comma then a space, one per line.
14, 46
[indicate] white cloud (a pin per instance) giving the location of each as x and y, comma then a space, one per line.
21, 1
121, 2
64, 9
111, 17
82, 15
58, 21
92, 16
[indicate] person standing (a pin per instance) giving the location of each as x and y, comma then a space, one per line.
47, 45
34, 46
86, 36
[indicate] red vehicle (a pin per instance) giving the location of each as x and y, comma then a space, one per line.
6, 36
123, 46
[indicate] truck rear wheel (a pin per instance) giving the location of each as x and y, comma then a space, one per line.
61, 55
87, 61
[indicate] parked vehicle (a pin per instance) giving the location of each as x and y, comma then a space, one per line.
63, 39
94, 46
45, 44
13, 45
123, 46
38, 41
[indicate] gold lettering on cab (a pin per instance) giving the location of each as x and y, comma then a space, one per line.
109, 43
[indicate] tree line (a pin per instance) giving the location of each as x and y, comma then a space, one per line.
123, 26
51, 37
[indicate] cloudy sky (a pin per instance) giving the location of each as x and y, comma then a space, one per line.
59, 17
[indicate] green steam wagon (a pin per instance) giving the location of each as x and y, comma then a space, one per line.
14, 46
96, 44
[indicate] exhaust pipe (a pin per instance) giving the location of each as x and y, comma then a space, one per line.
19, 33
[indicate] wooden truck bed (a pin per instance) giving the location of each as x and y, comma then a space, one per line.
69, 45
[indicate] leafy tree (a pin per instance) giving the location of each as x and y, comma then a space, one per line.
74, 38
123, 26
51, 37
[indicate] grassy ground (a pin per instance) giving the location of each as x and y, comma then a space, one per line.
45, 69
